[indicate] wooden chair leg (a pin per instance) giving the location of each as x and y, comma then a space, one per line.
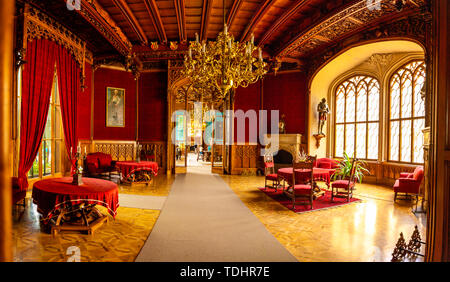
332, 194
395, 197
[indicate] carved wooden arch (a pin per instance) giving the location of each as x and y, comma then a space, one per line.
37, 24
175, 80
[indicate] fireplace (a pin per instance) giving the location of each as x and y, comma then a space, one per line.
283, 157
288, 146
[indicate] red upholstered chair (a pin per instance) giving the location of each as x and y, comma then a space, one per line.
409, 183
301, 193
344, 188
99, 163
18, 192
270, 175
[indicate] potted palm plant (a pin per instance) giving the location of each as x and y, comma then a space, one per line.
345, 169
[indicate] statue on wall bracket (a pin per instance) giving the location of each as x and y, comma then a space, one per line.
282, 125
322, 110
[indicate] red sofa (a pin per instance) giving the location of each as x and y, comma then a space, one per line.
409, 183
18, 193
327, 163
99, 163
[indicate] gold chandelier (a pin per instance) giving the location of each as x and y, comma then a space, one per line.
224, 63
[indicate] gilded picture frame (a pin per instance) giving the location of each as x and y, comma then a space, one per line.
115, 107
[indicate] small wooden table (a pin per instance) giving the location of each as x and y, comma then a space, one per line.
65, 206
137, 172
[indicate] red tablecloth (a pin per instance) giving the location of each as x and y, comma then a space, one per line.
127, 168
52, 194
302, 175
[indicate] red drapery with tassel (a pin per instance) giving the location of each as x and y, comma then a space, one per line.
37, 79
68, 73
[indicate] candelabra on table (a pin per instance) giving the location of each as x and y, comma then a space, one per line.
138, 152
77, 176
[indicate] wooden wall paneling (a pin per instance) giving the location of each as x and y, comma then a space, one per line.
119, 150
438, 216
244, 159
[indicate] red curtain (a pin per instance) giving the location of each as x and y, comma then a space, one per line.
68, 73
42, 55
37, 77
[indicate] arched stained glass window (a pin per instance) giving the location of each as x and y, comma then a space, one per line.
357, 117
407, 113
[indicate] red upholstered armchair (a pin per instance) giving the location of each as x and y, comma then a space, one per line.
409, 183
99, 163
18, 192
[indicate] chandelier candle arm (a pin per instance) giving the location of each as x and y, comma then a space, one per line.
223, 64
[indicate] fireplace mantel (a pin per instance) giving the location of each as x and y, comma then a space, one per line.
288, 142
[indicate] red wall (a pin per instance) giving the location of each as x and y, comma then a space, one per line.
153, 106
84, 106
245, 99
104, 78
284, 92
287, 93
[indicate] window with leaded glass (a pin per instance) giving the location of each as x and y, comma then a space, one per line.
357, 117
407, 113
48, 160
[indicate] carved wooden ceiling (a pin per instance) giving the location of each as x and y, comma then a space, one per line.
289, 30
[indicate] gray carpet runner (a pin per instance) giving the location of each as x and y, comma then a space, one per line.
204, 220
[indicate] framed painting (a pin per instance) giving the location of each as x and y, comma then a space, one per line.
115, 107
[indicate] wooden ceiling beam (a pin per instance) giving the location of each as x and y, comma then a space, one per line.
292, 10
206, 12
128, 14
153, 11
262, 10
96, 15
181, 19
233, 11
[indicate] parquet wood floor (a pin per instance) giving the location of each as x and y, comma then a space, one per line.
364, 231
120, 240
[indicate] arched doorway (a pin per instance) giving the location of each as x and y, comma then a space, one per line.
196, 124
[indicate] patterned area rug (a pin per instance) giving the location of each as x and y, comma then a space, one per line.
321, 203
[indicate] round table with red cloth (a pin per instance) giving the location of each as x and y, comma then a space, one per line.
53, 194
129, 167
302, 175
